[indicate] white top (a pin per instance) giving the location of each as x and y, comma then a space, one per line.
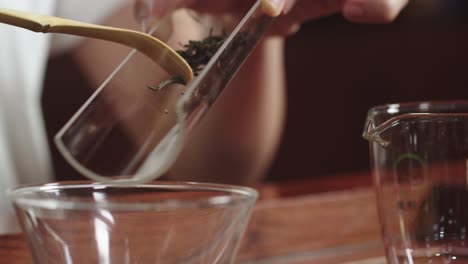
24, 153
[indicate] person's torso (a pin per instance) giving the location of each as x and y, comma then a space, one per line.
23, 147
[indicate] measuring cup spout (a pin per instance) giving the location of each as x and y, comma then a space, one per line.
374, 126
369, 127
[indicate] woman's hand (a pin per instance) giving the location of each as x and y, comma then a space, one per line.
293, 11
238, 138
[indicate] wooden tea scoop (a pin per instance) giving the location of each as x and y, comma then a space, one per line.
152, 47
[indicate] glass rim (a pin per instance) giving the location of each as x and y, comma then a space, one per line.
410, 111
23, 196
418, 106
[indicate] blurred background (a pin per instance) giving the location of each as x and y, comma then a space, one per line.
336, 71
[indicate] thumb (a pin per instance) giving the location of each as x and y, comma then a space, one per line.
157, 8
273, 7
373, 11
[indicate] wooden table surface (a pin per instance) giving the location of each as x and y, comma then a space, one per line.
327, 220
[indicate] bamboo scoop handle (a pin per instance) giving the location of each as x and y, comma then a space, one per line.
152, 47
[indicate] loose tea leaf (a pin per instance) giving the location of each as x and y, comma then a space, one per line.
173, 80
198, 54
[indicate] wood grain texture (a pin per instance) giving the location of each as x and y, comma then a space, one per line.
306, 225
13, 249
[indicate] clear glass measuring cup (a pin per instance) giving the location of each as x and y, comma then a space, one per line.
419, 158
133, 130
